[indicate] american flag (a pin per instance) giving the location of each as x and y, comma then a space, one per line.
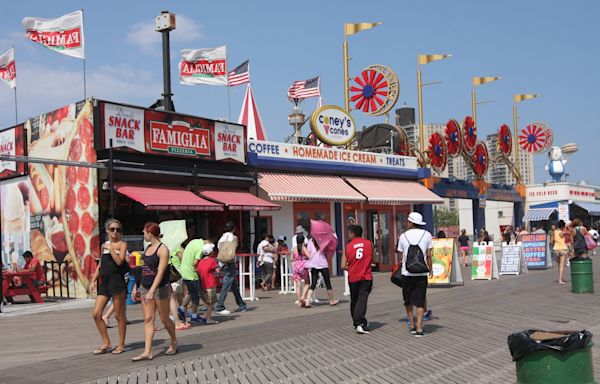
303, 89
240, 75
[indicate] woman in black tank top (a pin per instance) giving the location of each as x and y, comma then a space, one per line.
155, 291
111, 283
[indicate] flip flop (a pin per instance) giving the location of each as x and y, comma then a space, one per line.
334, 302
142, 357
171, 352
102, 350
118, 350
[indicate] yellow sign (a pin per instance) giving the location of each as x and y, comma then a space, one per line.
332, 125
443, 251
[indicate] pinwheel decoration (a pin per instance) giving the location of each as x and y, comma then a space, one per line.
504, 140
453, 138
469, 134
535, 138
480, 159
437, 152
376, 90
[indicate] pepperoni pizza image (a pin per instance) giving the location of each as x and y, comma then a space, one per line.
65, 198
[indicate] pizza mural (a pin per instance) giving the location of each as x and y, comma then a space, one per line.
64, 199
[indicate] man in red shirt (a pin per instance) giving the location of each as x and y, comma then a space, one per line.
32, 264
206, 269
357, 259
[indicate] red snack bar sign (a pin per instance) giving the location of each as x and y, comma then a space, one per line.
179, 138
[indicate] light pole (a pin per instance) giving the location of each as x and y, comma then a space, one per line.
424, 59
351, 29
517, 99
477, 81
165, 23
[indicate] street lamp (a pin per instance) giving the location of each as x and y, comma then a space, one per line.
477, 81
517, 99
165, 23
351, 29
424, 59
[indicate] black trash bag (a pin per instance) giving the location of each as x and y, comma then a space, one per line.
521, 343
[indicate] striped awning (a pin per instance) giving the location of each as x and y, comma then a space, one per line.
538, 214
296, 187
394, 192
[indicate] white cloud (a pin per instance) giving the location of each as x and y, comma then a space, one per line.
41, 88
148, 40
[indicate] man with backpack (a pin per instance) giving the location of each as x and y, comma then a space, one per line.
415, 249
227, 246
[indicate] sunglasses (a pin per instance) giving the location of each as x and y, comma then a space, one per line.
115, 229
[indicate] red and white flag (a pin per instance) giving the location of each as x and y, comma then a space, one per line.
63, 35
203, 66
303, 89
240, 75
8, 69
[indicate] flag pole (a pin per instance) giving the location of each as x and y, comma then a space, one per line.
228, 104
16, 112
84, 78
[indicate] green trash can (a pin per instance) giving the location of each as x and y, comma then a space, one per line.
582, 278
551, 367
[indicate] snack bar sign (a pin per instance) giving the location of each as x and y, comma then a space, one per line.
179, 138
124, 126
229, 142
332, 125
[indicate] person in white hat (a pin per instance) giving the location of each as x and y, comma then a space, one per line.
415, 250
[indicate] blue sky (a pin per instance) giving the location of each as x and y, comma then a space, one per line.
550, 48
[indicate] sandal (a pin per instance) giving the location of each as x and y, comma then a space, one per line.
142, 357
211, 321
102, 350
118, 350
171, 352
334, 302
183, 327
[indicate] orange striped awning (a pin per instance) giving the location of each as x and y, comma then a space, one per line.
296, 187
394, 192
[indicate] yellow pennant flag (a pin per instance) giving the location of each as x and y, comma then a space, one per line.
425, 59
522, 97
351, 29
483, 80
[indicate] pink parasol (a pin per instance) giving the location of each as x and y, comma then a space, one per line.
325, 236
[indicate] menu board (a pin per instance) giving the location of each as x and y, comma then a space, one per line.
510, 261
443, 251
482, 262
534, 250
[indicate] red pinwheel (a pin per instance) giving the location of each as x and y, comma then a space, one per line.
437, 152
372, 91
480, 159
453, 138
469, 134
505, 140
535, 138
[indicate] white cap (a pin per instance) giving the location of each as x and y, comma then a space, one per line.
208, 249
299, 229
416, 218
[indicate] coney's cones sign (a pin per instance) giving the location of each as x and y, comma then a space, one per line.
63, 35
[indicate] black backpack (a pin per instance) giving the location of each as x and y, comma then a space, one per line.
415, 259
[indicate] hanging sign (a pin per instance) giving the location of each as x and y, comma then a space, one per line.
534, 250
332, 125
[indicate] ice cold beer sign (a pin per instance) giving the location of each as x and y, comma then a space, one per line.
125, 126
332, 125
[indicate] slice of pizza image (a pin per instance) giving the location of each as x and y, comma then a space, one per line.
79, 198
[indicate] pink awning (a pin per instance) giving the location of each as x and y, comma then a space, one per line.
306, 187
239, 200
394, 192
167, 199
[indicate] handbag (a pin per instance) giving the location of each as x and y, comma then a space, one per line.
590, 243
174, 274
227, 250
397, 276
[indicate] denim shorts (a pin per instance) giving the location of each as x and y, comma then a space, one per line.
193, 287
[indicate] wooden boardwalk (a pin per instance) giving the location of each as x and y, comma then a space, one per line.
277, 343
